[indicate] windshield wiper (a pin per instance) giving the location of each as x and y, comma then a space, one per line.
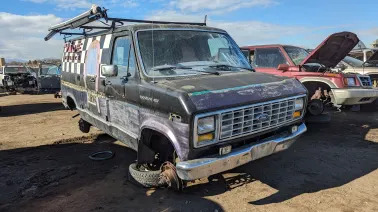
222, 66
168, 67
172, 67
228, 67
207, 72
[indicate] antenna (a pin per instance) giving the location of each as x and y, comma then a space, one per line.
153, 53
205, 21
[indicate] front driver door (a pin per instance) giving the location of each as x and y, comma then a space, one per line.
120, 90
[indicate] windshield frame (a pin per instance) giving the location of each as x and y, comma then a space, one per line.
139, 55
288, 46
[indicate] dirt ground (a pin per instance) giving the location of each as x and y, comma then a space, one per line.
44, 166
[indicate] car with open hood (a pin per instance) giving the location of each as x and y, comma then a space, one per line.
17, 78
315, 71
368, 69
181, 94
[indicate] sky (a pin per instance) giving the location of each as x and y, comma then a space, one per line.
24, 23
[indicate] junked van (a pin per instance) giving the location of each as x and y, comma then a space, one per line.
180, 94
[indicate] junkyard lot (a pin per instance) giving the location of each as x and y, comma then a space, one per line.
44, 166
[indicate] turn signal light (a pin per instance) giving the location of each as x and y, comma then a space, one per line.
206, 137
296, 114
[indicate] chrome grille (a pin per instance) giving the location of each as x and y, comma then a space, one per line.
365, 80
253, 119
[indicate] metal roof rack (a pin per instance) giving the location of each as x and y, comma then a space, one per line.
95, 14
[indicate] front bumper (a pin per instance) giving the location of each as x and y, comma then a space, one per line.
204, 167
354, 96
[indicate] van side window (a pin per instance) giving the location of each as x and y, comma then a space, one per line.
121, 52
268, 58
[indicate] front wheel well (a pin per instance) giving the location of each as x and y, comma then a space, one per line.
155, 148
313, 86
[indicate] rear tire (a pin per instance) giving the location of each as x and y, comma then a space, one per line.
147, 179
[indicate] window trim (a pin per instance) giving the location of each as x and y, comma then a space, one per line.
127, 35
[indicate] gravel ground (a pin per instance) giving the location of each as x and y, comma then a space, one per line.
44, 166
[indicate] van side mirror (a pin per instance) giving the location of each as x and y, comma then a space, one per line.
283, 67
109, 70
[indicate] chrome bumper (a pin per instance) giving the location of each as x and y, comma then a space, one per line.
204, 167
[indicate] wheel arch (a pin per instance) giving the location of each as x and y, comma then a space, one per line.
318, 80
158, 129
71, 102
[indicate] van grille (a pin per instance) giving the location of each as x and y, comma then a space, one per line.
253, 119
365, 80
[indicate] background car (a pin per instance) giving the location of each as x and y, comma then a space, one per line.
314, 70
368, 68
48, 78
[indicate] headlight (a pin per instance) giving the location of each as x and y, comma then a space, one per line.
349, 81
299, 104
206, 125
205, 132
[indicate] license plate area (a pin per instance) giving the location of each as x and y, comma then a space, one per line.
225, 150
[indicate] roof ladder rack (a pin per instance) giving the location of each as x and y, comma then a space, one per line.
96, 13
92, 15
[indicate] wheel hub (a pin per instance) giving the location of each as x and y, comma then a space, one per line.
169, 177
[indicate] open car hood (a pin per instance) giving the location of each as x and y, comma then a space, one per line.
373, 59
333, 49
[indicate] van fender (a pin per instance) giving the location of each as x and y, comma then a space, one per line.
177, 133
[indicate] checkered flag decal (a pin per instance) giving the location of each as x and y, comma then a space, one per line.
74, 59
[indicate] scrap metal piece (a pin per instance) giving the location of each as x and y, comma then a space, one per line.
103, 155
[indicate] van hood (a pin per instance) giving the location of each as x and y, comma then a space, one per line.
333, 49
210, 92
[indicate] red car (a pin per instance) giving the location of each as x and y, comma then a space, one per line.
314, 70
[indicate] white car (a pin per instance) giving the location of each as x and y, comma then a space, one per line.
369, 68
17, 78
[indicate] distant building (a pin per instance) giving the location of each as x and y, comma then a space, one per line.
375, 44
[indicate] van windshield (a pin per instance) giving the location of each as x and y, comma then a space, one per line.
184, 52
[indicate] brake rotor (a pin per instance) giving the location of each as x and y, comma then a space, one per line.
168, 177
